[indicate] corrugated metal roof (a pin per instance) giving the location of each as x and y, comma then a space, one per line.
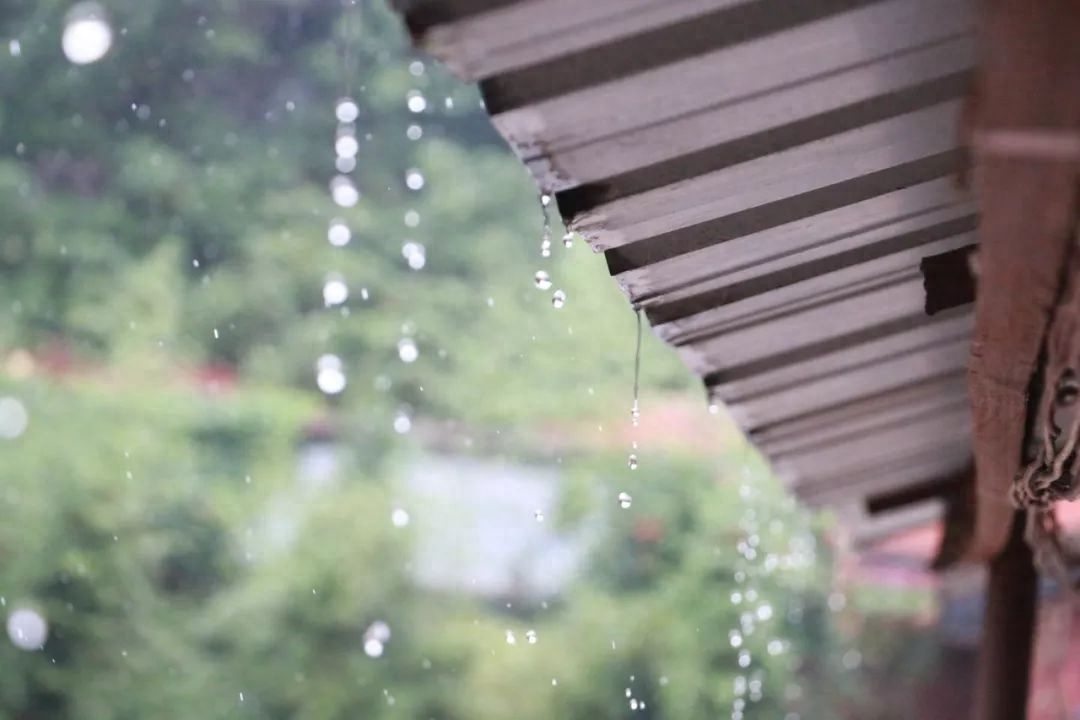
773, 182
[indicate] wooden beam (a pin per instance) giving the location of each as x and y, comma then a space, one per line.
1027, 80
1003, 679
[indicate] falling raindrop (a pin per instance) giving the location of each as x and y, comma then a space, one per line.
568, 240
545, 235
414, 255
399, 517
344, 191
13, 418
530, 635
625, 501
510, 639
346, 145
775, 647
335, 291
539, 515
402, 422
87, 36
373, 648
632, 461
558, 299
414, 179
735, 638
15, 48
416, 68
344, 164
542, 280
412, 218
635, 412
378, 630
346, 110
415, 101
407, 350
27, 629
744, 658
338, 233
329, 375
414, 132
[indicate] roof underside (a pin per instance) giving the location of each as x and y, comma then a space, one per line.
773, 183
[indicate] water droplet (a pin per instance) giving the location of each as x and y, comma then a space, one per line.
338, 234
407, 350
735, 638
399, 517
510, 639
15, 48
13, 418
346, 145
542, 280
87, 36
625, 500
414, 254
27, 629
414, 132
765, 612
545, 199
632, 461
539, 515
530, 635
334, 291
416, 101
558, 299
412, 218
775, 647
344, 191
402, 422
568, 240
851, 659
414, 179
837, 601
633, 704
378, 630
329, 375
373, 648
416, 68
346, 110
744, 658
217, 335
635, 413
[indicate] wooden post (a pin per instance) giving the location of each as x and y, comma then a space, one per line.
1005, 653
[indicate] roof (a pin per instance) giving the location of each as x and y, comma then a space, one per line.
774, 184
